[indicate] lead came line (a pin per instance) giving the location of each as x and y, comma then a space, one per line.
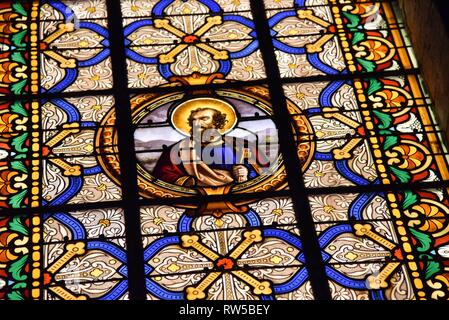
128, 161
311, 247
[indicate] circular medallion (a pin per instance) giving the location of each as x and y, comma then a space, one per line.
163, 123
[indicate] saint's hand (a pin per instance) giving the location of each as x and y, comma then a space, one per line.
240, 173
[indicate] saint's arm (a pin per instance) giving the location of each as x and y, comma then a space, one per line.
168, 171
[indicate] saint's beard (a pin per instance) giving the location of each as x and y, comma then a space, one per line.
205, 134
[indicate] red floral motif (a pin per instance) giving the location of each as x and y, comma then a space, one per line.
391, 98
225, 263
6, 239
375, 50
6, 123
407, 157
12, 68
434, 220
6, 180
7, 28
365, 9
191, 39
7, 72
8, 16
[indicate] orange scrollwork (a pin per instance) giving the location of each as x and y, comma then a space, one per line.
393, 99
431, 216
375, 49
11, 72
410, 156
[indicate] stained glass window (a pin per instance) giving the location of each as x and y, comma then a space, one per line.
217, 149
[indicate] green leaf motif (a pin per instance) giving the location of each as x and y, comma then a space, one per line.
17, 107
18, 38
424, 240
19, 166
20, 156
17, 225
374, 86
402, 175
16, 200
18, 8
385, 119
17, 88
19, 285
390, 141
358, 37
18, 143
354, 20
410, 198
18, 57
432, 268
17, 267
15, 295
367, 65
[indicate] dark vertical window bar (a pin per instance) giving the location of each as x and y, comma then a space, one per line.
311, 247
136, 274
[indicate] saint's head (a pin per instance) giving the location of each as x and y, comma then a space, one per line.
209, 119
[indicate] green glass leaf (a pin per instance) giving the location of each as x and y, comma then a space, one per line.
15, 295
410, 199
18, 8
358, 37
374, 86
17, 107
390, 141
19, 285
17, 39
354, 20
432, 268
402, 175
16, 269
385, 119
17, 225
17, 88
20, 156
18, 57
424, 240
18, 143
16, 200
19, 166
367, 65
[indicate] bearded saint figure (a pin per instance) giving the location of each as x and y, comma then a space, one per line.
208, 158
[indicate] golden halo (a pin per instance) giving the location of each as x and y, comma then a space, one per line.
180, 115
